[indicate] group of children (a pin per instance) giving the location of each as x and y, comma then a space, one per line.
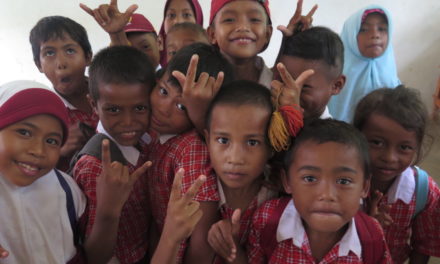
184, 147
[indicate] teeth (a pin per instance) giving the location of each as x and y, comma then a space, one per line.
28, 167
244, 40
129, 133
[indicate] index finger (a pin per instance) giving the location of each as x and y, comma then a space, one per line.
192, 191
105, 154
191, 72
312, 11
298, 10
86, 8
303, 77
114, 3
177, 185
285, 75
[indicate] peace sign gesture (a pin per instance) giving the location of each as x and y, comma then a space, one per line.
298, 22
109, 17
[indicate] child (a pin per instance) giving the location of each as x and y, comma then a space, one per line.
62, 52
241, 30
175, 12
320, 49
178, 145
327, 174
183, 34
141, 35
369, 59
394, 123
121, 79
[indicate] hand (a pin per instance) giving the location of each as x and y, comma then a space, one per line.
223, 236
74, 142
381, 213
196, 96
115, 183
298, 22
183, 212
109, 17
288, 92
3, 252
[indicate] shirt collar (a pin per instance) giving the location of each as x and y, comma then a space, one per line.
66, 103
130, 153
326, 114
290, 227
266, 75
403, 187
164, 138
263, 195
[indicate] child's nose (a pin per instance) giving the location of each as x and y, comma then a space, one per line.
36, 148
327, 191
389, 155
61, 61
235, 154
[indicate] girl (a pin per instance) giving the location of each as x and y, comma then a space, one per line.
394, 121
178, 11
368, 59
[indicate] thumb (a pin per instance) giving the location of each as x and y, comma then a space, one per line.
235, 222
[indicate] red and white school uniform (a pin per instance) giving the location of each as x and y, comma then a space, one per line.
405, 233
293, 244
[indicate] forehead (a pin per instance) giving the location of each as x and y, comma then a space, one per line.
375, 18
63, 39
43, 122
296, 65
387, 127
184, 35
245, 118
179, 5
123, 93
144, 36
241, 7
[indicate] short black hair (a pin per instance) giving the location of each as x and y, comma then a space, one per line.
241, 92
403, 105
211, 61
120, 64
134, 33
56, 27
193, 27
330, 130
317, 43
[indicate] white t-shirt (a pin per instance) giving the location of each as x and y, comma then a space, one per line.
34, 223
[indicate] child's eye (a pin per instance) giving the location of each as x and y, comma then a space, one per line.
171, 15
187, 15
222, 140
112, 109
163, 91
309, 178
376, 143
53, 141
24, 132
406, 147
363, 29
227, 20
141, 108
383, 29
343, 181
253, 142
256, 20
49, 53
181, 107
171, 53
70, 51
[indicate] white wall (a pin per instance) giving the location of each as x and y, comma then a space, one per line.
416, 39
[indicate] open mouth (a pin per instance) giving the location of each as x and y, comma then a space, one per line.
243, 40
28, 168
66, 80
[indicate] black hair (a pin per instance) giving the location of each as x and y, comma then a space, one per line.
134, 33
120, 64
193, 27
329, 130
56, 27
401, 104
241, 92
317, 43
211, 61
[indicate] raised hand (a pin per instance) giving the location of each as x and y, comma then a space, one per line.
288, 91
381, 213
74, 142
3, 252
115, 182
196, 95
223, 236
298, 22
109, 17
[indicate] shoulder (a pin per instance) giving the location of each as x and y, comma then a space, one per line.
78, 196
86, 167
267, 211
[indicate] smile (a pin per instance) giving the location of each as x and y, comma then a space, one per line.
28, 169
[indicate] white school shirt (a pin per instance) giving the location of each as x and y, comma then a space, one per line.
34, 223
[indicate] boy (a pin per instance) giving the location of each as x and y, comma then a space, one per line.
241, 30
178, 144
320, 49
326, 174
62, 52
121, 79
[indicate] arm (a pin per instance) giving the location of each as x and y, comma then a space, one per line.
112, 20
182, 216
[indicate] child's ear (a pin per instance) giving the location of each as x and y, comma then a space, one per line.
206, 134
366, 188
89, 58
92, 103
268, 33
285, 180
338, 84
211, 35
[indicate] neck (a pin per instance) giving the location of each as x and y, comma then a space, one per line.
382, 186
240, 198
245, 69
79, 99
322, 242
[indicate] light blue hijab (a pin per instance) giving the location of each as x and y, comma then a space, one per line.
363, 74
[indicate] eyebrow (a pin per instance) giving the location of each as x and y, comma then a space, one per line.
43, 47
338, 169
31, 125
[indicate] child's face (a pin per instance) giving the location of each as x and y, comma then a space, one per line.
237, 143
30, 148
168, 114
178, 39
148, 44
373, 36
63, 62
178, 11
326, 182
241, 29
124, 111
392, 148
318, 88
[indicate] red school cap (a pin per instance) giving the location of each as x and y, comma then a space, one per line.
22, 99
139, 23
216, 5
